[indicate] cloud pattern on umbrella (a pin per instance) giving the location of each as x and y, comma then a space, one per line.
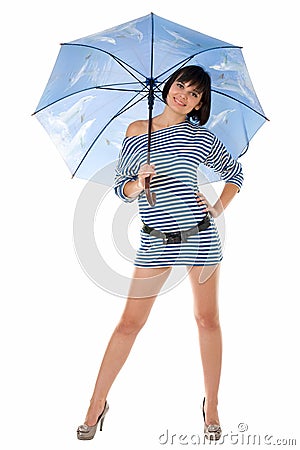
100, 83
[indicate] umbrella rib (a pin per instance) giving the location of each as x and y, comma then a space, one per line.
121, 111
155, 95
107, 88
184, 61
115, 87
83, 90
118, 60
239, 101
122, 84
130, 106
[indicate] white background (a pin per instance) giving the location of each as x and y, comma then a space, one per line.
55, 322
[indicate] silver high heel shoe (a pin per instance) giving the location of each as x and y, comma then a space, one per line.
86, 432
212, 432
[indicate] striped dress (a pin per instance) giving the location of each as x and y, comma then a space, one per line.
176, 152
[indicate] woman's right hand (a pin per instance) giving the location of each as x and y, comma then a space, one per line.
145, 171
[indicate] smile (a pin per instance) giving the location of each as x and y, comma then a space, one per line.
179, 102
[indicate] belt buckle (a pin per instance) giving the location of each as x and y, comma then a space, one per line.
175, 239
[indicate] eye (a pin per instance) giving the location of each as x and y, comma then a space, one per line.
194, 94
180, 85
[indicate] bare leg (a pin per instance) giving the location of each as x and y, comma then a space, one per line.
145, 286
210, 338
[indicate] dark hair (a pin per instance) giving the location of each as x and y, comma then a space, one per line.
196, 76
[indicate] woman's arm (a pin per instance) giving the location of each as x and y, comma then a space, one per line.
221, 161
132, 189
229, 191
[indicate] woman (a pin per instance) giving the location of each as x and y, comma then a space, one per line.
178, 146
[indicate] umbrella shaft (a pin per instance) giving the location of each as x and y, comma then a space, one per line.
150, 108
149, 135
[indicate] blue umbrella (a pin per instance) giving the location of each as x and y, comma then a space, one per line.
103, 82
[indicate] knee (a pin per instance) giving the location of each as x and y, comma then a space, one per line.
208, 321
128, 326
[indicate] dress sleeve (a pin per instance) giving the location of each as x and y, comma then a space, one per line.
220, 160
126, 170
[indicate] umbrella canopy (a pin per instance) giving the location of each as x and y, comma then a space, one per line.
103, 82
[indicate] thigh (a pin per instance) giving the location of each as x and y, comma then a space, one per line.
144, 288
205, 283
146, 283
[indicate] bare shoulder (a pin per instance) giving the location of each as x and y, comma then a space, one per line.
136, 128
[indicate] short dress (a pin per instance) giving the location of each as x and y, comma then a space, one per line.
176, 152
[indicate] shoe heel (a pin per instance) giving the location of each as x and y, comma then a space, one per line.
101, 423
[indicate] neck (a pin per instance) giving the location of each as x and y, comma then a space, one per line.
168, 118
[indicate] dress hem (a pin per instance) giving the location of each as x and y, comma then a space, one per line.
178, 265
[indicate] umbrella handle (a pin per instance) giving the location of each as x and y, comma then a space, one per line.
151, 196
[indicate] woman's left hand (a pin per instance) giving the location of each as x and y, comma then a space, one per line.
202, 201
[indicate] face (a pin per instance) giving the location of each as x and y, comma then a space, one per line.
183, 97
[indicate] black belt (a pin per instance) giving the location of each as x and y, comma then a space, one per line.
178, 236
